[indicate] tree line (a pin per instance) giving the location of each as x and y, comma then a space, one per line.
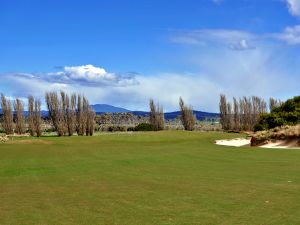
68, 114
281, 114
13, 120
156, 117
244, 113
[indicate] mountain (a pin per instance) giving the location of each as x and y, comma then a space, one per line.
173, 115
199, 114
105, 108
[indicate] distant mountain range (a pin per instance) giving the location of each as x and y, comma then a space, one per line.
105, 108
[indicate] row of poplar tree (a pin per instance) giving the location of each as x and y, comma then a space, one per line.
13, 119
68, 114
243, 114
71, 114
156, 117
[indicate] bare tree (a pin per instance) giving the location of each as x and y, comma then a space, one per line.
229, 119
66, 118
37, 118
156, 116
80, 117
71, 114
34, 117
236, 115
63, 112
223, 112
56, 113
19, 109
187, 117
274, 103
7, 123
242, 114
90, 122
31, 126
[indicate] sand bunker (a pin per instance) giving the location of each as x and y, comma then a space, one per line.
238, 142
281, 144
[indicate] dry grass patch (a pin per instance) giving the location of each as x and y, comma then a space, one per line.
288, 134
30, 141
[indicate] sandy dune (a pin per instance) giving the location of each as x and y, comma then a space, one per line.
238, 142
281, 144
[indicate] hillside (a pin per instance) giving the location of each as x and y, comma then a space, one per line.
173, 115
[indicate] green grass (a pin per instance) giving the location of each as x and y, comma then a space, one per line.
155, 178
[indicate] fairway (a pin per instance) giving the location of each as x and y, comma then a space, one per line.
151, 178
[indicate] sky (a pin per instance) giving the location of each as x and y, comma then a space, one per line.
124, 52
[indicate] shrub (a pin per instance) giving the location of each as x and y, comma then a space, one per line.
131, 129
116, 129
287, 113
144, 127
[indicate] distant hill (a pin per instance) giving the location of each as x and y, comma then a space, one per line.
199, 114
105, 108
173, 115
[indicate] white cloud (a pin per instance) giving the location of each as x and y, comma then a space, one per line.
294, 7
88, 75
242, 45
290, 35
233, 73
221, 35
165, 88
233, 39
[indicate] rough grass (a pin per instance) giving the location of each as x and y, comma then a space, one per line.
172, 177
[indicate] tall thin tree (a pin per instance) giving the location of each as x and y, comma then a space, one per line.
37, 118
7, 123
156, 117
223, 112
19, 110
31, 126
188, 119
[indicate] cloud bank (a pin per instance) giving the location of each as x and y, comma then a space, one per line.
86, 75
294, 7
237, 74
290, 35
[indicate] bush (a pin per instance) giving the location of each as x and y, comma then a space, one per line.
131, 129
286, 114
116, 129
258, 127
144, 127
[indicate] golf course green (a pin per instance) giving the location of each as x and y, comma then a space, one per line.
147, 178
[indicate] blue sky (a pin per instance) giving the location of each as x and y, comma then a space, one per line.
123, 52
